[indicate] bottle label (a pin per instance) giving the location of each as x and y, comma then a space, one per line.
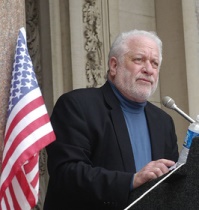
188, 139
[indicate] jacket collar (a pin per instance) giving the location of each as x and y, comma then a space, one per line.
120, 128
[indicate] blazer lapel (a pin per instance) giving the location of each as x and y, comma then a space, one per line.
123, 140
120, 129
155, 131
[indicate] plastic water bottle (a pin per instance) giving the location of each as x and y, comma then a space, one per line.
193, 131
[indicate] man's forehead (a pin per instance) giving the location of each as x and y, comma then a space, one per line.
142, 45
138, 51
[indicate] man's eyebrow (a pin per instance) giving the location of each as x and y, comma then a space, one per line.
132, 54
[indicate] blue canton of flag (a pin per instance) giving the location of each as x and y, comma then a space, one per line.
23, 75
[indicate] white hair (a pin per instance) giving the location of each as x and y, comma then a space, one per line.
120, 45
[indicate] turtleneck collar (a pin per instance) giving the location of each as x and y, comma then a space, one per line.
126, 104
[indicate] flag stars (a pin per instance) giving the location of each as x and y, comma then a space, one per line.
18, 86
23, 78
10, 106
20, 68
11, 90
19, 77
29, 77
18, 94
29, 84
23, 52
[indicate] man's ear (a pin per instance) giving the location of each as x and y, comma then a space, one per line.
113, 64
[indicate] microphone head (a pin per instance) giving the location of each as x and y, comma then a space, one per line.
168, 102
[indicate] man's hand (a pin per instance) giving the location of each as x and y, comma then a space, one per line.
151, 171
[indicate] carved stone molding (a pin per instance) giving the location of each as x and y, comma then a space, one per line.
33, 38
93, 44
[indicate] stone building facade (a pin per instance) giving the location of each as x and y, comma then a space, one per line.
69, 40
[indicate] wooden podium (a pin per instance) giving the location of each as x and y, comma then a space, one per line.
177, 190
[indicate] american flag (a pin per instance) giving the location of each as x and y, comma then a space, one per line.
28, 130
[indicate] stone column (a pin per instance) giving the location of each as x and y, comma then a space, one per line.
90, 33
173, 80
191, 39
12, 18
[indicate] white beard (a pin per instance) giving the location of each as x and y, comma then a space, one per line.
131, 89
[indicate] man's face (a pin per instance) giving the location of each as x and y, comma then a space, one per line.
136, 77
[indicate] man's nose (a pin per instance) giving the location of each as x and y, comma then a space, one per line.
148, 68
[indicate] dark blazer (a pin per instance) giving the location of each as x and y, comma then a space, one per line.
91, 163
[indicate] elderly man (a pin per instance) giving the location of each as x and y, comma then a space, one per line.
110, 140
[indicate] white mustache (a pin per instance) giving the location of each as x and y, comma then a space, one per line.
151, 80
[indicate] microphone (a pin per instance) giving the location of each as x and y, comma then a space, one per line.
170, 103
